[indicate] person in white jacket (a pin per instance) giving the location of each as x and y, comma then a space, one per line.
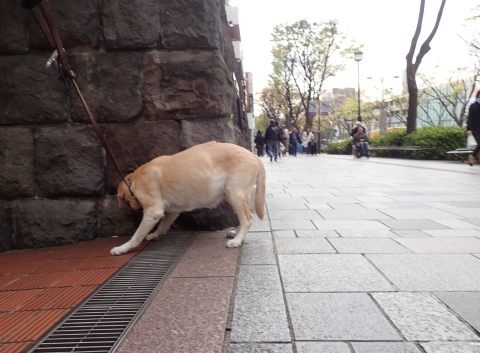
308, 141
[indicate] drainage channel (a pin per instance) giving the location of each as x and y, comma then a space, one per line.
99, 324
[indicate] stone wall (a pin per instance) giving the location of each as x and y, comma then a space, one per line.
157, 75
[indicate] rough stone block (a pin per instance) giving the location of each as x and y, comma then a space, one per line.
6, 226
13, 36
69, 161
29, 93
187, 84
115, 221
78, 24
191, 24
16, 162
204, 130
206, 219
110, 84
42, 223
131, 24
137, 143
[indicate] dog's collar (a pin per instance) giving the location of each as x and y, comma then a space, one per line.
129, 186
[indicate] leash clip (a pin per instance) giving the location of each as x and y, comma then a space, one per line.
52, 59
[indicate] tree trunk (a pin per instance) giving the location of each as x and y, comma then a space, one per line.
412, 99
412, 67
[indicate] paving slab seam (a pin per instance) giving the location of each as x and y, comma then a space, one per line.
228, 326
289, 319
381, 273
454, 313
379, 307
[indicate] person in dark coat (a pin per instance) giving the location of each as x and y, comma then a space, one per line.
272, 138
473, 127
259, 143
294, 139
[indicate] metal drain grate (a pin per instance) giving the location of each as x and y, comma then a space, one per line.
98, 325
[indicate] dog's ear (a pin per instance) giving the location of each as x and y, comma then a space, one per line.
121, 195
121, 202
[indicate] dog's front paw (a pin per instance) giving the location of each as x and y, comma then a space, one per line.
231, 233
117, 251
233, 243
150, 236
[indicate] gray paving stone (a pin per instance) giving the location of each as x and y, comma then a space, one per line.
294, 214
319, 206
348, 207
453, 233
330, 273
465, 304
281, 224
259, 314
338, 316
330, 200
367, 246
286, 203
369, 233
322, 347
475, 221
466, 212
375, 205
407, 233
352, 214
303, 246
385, 347
261, 348
464, 204
419, 213
419, 224
308, 192
456, 223
377, 198
259, 225
447, 245
420, 317
258, 249
288, 233
450, 347
350, 224
430, 272
316, 233
406, 205
417, 198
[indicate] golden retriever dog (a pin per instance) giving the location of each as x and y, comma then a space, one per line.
201, 176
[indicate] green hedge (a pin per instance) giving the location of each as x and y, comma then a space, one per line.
341, 147
443, 138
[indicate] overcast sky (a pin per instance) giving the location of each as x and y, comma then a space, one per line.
384, 27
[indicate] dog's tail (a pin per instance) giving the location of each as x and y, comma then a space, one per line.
260, 191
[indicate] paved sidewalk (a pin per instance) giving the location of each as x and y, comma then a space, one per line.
364, 256
354, 256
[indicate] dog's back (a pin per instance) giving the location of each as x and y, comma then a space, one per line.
202, 175
199, 177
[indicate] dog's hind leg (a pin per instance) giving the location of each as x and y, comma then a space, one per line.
164, 225
150, 218
241, 207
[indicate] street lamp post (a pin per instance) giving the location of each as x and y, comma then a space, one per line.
383, 111
358, 58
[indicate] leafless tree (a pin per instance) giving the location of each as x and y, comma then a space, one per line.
412, 67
